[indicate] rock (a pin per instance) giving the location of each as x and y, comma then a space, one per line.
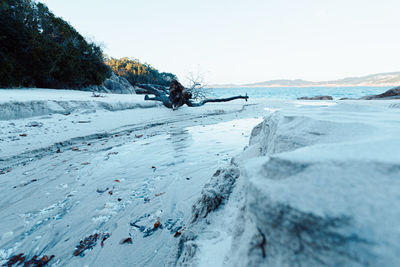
126, 241
318, 97
34, 124
118, 85
115, 84
393, 93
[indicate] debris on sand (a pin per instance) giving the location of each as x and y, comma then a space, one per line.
89, 243
34, 262
126, 241
318, 97
147, 231
178, 233
101, 191
104, 239
34, 124
157, 223
25, 184
5, 170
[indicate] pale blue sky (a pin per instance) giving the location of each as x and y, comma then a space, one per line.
233, 41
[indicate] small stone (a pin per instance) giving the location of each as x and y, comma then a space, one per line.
126, 241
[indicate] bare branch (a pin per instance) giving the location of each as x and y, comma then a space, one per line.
196, 85
201, 103
179, 95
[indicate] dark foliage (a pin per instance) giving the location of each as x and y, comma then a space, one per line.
42, 50
139, 73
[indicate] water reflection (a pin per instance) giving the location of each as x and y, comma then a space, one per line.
180, 139
223, 140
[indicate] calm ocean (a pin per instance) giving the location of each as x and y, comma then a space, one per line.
295, 92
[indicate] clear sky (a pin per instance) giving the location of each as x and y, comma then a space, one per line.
232, 41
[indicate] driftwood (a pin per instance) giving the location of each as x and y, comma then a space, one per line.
177, 96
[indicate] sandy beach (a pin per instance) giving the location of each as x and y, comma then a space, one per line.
118, 181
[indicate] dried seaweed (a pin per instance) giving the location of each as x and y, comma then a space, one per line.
34, 262
89, 243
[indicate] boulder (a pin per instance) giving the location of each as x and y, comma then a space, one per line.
318, 97
393, 93
115, 84
118, 85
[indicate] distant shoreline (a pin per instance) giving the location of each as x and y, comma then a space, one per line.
372, 80
302, 86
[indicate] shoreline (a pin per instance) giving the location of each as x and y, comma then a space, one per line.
309, 86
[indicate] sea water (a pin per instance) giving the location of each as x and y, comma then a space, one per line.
295, 92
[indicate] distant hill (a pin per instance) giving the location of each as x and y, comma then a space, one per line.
380, 79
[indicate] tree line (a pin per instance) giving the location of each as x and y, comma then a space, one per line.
139, 73
39, 49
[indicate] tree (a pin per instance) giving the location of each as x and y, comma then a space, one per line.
177, 96
139, 73
39, 49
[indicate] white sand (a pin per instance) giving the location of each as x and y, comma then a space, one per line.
50, 201
319, 186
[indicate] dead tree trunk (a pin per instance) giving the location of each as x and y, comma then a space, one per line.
178, 96
202, 102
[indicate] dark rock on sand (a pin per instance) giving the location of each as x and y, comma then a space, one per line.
115, 84
393, 93
318, 97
